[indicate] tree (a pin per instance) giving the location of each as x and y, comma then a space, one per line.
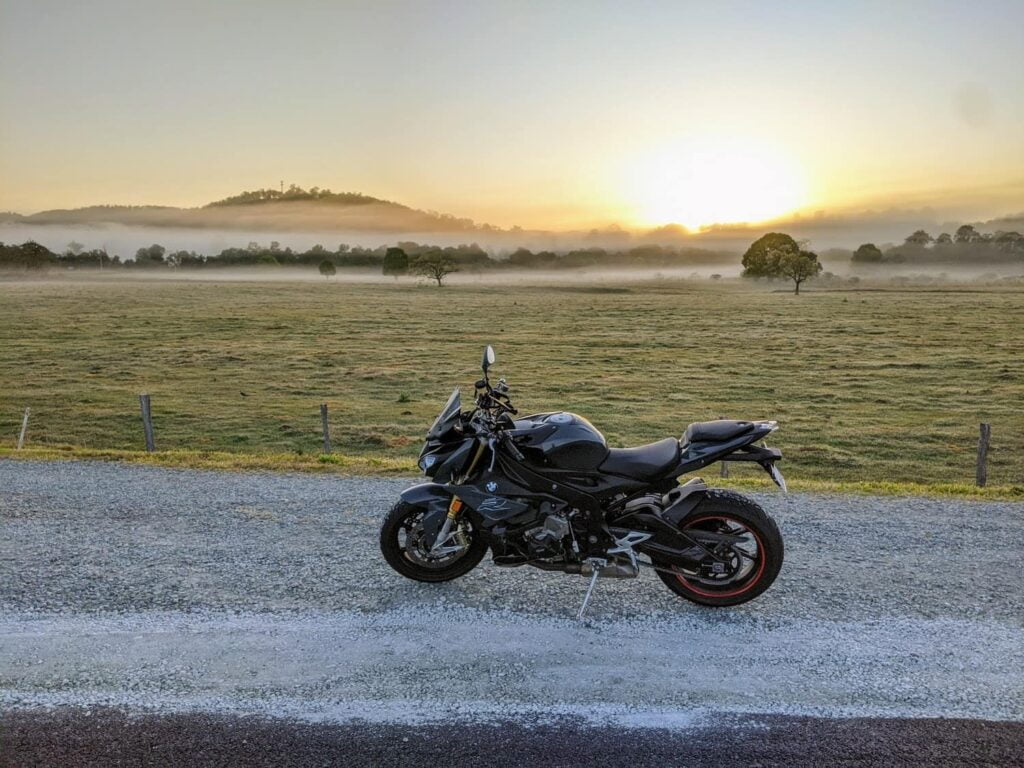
919, 239
1009, 242
396, 262
967, 234
434, 265
869, 253
763, 257
150, 257
75, 248
944, 239
28, 255
799, 267
185, 259
327, 268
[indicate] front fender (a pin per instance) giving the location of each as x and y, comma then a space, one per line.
427, 494
433, 497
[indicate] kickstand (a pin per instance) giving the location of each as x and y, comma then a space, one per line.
586, 597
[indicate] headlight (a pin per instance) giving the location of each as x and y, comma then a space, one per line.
427, 462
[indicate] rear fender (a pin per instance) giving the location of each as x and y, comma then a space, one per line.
765, 458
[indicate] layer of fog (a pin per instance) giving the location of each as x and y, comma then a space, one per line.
603, 279
265, 224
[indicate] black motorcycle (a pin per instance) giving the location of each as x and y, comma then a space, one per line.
547, 491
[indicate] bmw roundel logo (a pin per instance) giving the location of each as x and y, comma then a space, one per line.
492, 486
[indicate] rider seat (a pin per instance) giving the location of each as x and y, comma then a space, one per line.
646, 462
716, 431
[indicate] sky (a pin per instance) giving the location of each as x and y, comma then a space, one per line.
543, 115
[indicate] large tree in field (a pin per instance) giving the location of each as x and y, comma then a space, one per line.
434, 265
396, 262
779, 255
763, 256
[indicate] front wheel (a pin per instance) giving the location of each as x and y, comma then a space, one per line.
745, 567
402, 546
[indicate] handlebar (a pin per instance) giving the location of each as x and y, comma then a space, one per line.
493, 401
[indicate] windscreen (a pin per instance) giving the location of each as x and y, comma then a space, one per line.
448, 414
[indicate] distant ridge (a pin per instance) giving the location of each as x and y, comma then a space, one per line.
292, 209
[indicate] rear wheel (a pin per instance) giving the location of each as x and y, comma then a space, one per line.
744, 568
401, 543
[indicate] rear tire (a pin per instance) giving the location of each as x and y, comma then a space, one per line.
718, 510
394, 552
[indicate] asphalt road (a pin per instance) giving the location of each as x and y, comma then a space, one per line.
71, 738
169, 616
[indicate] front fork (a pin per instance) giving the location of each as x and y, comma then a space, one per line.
439, 548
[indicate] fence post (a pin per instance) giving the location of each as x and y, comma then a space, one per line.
24, 429
147, 422
981, 476
723, 466
326, 426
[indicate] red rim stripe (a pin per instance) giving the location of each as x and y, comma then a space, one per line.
757, 576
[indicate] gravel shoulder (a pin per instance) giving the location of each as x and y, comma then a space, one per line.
191, 593
99, 537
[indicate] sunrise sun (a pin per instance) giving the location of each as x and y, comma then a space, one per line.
698, 183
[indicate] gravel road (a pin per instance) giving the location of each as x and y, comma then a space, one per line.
185, 593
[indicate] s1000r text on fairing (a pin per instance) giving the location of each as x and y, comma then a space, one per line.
547, 491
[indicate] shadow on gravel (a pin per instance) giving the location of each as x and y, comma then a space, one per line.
70, 738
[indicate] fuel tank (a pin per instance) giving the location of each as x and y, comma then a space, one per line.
561, 440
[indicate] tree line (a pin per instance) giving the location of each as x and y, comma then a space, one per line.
965, 246
394, 260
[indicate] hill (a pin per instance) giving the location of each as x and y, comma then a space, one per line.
294, 209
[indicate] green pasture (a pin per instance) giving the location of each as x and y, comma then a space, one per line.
869, 386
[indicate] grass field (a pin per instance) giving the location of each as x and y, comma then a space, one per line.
869, 386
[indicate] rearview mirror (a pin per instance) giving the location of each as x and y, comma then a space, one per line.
488, 358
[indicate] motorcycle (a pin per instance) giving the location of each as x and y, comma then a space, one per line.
546, 491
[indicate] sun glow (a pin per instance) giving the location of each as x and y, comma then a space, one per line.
712, 182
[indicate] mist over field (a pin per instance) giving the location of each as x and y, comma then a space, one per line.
834, 238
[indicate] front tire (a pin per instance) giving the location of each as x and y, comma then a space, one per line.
398, 544
755, 564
